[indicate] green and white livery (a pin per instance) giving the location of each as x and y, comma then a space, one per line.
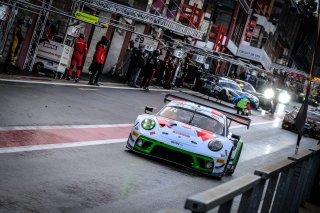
190, 134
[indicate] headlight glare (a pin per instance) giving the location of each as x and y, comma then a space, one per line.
284, 98
215, 145
269, 93
148, 124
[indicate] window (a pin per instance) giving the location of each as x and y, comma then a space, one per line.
193, 118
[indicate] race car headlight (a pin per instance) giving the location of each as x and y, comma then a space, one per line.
215, 145
148, 124
209, 165
269, 93
284, 98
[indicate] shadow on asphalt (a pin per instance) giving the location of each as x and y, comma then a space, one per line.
170, 165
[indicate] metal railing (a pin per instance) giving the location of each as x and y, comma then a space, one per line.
279, 187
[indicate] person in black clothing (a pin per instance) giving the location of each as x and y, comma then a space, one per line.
243, 75
151, 68
171, 68
132, 63
138, 62
161, 72
184, 69
198, 75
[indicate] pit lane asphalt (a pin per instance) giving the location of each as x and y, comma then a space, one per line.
47, 104
106, 178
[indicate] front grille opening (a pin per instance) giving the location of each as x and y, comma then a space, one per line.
173, 156
146, 145
201, 162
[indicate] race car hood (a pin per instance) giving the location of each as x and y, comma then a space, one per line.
180, 135
183, 132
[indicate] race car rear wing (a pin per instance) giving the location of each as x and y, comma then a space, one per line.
231, 116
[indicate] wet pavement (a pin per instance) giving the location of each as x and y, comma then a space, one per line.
104, 177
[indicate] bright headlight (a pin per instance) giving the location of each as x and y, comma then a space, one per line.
284, 98
148, 124
215, 145
269, 93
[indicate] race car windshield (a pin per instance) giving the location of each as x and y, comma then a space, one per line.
193, 118
248, 87
230, 85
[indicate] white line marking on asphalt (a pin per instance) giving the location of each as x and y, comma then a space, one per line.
59, 146
75, 144
83, 85
13, 128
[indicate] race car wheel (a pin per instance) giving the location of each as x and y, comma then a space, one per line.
235, 160
227, 168
224, 96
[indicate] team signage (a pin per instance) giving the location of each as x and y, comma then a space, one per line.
86, 17
148, 43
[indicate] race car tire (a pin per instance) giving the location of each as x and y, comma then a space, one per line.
226, 170
235, 160
223, 96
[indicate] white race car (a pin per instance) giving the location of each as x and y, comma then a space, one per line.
190, 134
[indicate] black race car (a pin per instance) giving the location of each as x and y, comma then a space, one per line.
264, 102
226, 89
311, 127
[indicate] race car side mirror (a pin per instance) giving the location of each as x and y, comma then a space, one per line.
148, 110
237, 137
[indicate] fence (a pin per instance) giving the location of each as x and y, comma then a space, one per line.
279, 187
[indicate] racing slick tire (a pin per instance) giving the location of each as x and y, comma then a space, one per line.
226, 168
223, 96
235, 161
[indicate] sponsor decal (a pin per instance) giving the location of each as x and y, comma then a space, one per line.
204, 135
50, 46
179, 101
176, 143
194, 142
152, 133
179, 133
187, 126
165, 133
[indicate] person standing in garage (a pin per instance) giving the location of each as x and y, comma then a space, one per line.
151, 67
80, 51
15, 46
98, 61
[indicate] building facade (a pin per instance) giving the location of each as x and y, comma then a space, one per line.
243, 29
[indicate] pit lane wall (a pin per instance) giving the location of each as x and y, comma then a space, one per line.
279, 187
